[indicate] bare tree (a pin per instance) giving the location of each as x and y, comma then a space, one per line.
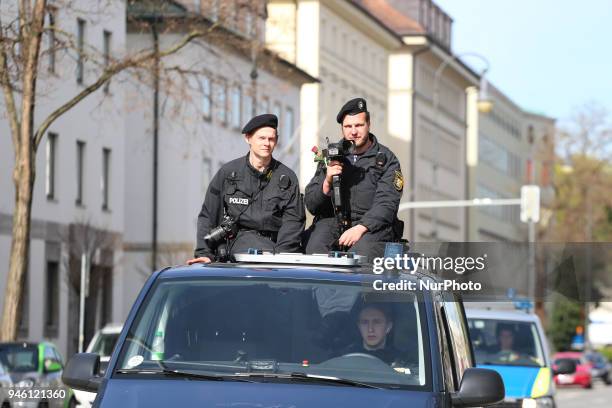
21, 51
583, 176
83, 237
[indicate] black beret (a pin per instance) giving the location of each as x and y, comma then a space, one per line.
265, 120
352, 107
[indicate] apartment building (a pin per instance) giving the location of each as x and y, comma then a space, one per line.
197, 121
347, 49
95, 168
427, 105
78, 192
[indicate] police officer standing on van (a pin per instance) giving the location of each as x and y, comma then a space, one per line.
371, 186
252, 202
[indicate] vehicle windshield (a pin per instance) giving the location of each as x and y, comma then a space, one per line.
17, 358
104, 344
273, 327
576, 361
506, 342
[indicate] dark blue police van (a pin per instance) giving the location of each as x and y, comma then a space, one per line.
307, 334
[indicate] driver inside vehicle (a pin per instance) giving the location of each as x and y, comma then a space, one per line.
375, 322
505, 343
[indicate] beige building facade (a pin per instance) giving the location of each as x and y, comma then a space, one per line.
342, 45
387, 52
507, 148
428, 134
498, 170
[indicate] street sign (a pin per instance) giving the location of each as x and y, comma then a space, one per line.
530, 203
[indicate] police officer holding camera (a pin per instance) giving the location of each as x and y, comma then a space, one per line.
252, 202
371, 188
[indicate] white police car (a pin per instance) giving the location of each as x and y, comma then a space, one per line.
513, 343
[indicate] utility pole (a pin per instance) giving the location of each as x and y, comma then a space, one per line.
531, 223
589, 266
82, 295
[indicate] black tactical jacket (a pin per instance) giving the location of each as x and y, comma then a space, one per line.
268, 202
372, 185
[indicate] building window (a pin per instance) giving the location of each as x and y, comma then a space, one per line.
232, 16
222, 102
248, 105
214, 10
107, 52
249, 28
106, 158
24, 319
80, 168
264, 106
206, 98
333, 44
107, 295
51, 165
276, 110
81, 51
288, 124
52, 26
52, 299
206, 174
236, 114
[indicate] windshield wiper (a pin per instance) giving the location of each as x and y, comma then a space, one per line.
183, 374
309, 377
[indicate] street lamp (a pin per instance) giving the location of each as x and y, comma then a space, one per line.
484, 105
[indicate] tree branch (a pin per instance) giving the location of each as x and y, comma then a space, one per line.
31, 54
107, 74
9, 97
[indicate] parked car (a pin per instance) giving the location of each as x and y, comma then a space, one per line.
5, 384
35, 370
581, 377
600, 366
513, 343
263, 334
102, 343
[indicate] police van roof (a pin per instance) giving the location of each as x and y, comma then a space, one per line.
237, 270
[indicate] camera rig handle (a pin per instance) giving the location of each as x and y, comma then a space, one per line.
343, 222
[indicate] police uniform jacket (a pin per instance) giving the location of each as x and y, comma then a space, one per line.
371, 186
268, 202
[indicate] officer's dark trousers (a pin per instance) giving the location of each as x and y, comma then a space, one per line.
246, 239
371, 244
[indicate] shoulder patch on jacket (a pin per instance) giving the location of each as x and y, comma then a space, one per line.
398, 181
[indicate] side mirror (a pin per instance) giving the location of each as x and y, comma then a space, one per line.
82, 372
479, 387
564, 366
52, 366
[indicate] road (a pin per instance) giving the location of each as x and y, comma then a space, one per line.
600, 396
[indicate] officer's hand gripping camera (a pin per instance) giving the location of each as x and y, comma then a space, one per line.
337, 152
226, 230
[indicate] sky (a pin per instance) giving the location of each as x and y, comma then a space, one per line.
548, 56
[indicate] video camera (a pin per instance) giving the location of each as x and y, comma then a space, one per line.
339, 150
335, 151
226, 230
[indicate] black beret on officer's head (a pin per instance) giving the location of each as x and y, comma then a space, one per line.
259, 121
352, 107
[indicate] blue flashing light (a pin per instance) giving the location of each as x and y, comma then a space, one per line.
523, 304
